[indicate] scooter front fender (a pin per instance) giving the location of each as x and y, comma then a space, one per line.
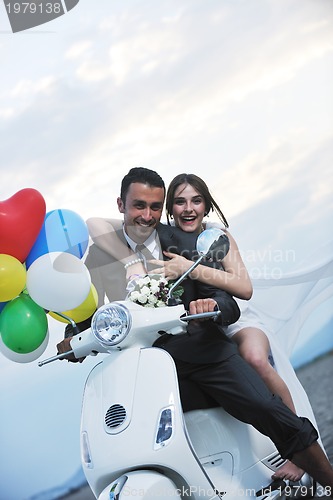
141, 484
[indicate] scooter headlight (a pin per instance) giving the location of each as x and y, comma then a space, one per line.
111, 324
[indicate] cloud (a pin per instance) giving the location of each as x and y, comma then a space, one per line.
236, 92
78, 49
153, 88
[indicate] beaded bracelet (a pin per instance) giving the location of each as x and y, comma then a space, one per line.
132, 262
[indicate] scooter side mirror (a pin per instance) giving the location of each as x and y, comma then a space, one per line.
213, 244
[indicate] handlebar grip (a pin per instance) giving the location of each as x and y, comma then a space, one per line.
54, 358
213, 314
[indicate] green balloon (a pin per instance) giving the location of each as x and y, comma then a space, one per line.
23, 325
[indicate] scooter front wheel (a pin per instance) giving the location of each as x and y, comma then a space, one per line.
141, 484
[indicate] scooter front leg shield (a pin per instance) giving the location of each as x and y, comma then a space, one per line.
128, 399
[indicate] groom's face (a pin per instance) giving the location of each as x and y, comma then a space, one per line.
142, 210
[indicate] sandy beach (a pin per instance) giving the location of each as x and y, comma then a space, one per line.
316, 378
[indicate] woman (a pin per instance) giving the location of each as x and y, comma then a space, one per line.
188, 201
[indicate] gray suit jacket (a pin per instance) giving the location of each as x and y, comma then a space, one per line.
108, 274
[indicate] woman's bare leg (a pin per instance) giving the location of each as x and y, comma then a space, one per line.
254, 347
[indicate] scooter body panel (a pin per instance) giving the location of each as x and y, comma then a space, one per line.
142, 385
213, 431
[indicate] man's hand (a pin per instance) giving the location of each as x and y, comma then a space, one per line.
202, 305
65, 346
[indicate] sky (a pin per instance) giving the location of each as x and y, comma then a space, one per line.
238, 92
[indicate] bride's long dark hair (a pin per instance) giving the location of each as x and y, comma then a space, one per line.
199, 185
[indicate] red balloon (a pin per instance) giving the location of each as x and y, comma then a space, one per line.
21, 219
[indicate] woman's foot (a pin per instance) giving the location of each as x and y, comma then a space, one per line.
288, 471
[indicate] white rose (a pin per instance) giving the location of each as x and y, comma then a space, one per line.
154, 286
145, 290
152, 299
142, 299
134, 295
140, 282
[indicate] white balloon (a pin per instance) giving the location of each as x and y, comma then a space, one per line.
58, 281
24, 358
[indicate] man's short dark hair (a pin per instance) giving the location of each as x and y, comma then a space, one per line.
142, 175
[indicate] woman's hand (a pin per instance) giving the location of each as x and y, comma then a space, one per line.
173, 268
135, 270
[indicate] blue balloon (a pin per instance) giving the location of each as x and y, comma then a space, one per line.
2, 305
63, 231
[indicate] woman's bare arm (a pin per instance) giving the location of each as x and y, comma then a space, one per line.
103, 234
233, 278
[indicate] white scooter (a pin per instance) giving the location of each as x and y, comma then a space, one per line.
135, 440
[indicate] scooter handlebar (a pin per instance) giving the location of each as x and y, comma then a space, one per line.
85, 344
54, 358
214, 315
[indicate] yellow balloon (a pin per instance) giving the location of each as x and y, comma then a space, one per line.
81, 312
12, 277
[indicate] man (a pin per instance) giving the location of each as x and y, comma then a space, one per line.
204, 356
141, 202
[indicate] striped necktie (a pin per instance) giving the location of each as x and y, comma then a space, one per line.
146, 255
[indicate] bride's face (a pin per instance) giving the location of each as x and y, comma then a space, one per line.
188, 208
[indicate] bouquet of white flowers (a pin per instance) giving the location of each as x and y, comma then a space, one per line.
151, 290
